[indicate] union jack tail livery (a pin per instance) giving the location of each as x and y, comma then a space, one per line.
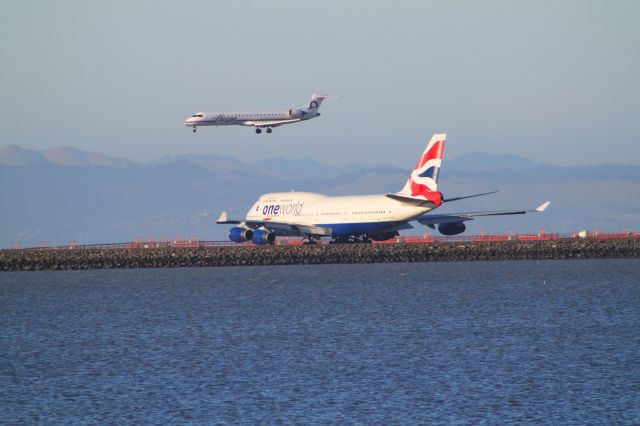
423, 182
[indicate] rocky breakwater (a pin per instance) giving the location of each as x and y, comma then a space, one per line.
58, 259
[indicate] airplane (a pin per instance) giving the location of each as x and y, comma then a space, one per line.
359, 218
260, 120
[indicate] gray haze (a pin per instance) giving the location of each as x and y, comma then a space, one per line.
554, 81
66, 194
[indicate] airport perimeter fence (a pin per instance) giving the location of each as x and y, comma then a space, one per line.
138, 244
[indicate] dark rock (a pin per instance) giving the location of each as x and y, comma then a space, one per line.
61, 259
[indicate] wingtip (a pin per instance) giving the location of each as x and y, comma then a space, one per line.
542, 207
222, 218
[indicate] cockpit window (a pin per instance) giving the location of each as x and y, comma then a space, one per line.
197, 115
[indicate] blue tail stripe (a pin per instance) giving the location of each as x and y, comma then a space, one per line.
431, 172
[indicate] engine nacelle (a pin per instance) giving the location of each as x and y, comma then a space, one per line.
263, 236
452, 228
295, 113
383, 236
240, 234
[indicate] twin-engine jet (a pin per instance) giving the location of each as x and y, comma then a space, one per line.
260, 120
359, 218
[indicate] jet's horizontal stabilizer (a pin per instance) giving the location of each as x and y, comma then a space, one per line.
446, 200
410, 200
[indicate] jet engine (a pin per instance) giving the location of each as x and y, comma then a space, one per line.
295, 113
263, 236
240, 234
383, 236
451, 228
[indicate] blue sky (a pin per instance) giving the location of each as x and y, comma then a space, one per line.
555, 81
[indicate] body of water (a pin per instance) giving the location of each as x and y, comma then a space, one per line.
550, 342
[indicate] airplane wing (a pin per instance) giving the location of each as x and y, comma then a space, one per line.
279, 227
293, 229
274, 123
435, 219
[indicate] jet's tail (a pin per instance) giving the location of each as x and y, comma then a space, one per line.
422, 185
315, 102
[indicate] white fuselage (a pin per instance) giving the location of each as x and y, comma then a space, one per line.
246, 118
345, 215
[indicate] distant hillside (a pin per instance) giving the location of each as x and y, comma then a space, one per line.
67, 194
13, 155
486, 161
276, 167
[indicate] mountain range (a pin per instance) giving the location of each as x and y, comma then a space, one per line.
13, 155
66, 194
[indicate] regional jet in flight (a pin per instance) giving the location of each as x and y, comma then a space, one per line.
260, 120
359, 218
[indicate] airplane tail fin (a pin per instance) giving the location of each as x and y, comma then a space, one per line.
422, 185
315, 102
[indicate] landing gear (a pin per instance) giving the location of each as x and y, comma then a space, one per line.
258, 130
340, 239
269, 130
351, 239
194, 129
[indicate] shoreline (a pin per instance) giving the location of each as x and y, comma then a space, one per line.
176, 257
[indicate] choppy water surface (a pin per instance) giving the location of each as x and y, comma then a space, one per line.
468, 343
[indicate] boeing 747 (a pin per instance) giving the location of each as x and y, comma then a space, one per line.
260, 120
359, 218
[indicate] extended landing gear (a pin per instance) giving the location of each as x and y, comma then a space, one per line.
194, 129
350, 239
269, 130
339, 240
259, 130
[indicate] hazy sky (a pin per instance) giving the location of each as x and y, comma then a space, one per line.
555, 81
